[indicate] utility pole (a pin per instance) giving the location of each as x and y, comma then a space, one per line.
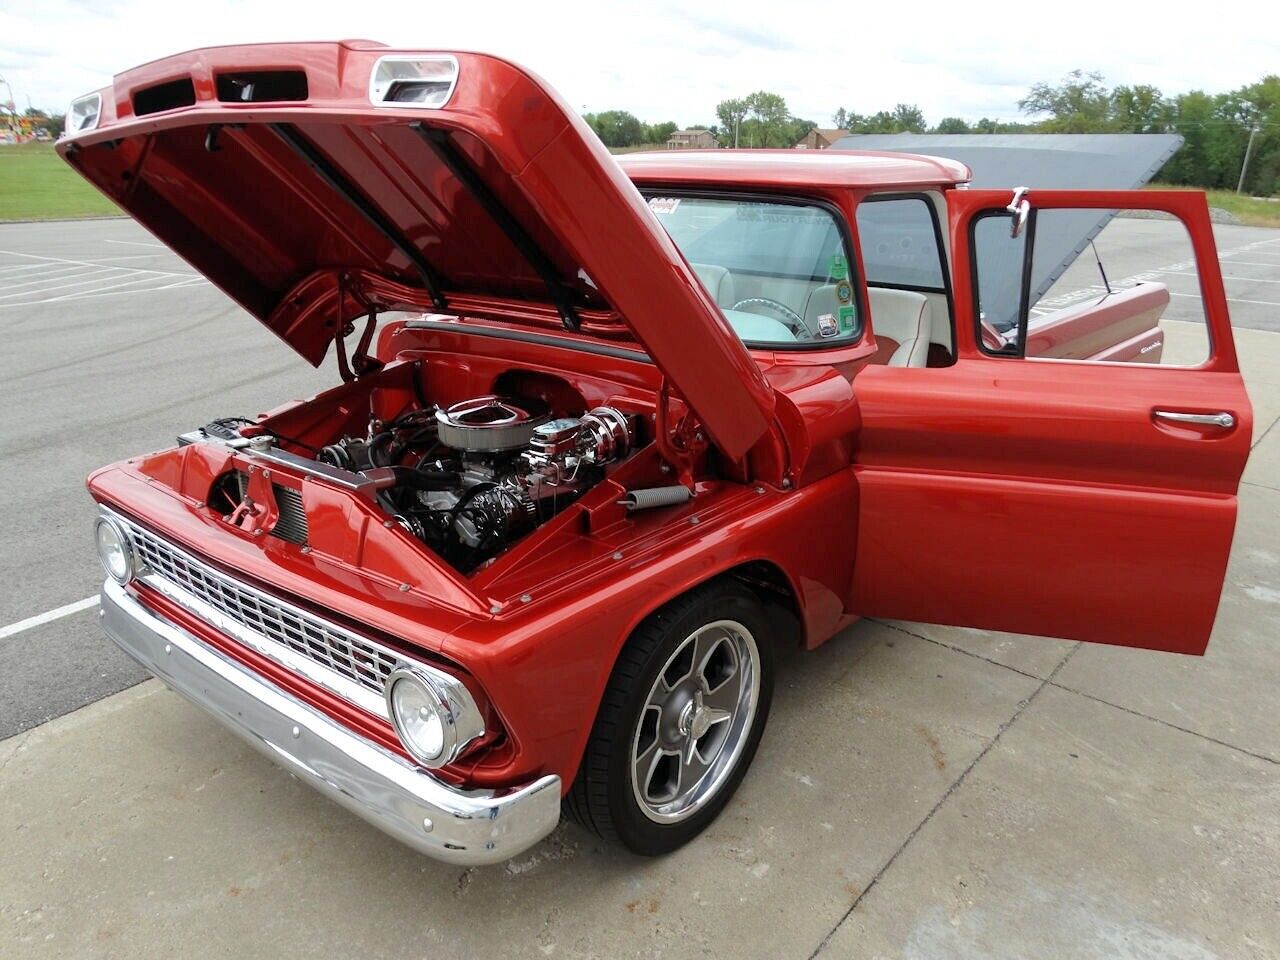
1244, 167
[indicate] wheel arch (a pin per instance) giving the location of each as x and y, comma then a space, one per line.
763, 576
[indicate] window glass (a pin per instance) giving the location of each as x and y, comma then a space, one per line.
779, 271
1130, 296
900, 244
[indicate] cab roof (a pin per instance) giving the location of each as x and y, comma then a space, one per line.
794, 168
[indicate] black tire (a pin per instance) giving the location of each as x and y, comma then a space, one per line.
602, 798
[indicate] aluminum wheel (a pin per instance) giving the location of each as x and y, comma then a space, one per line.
695, 721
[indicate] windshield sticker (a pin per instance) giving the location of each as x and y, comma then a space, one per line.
827, 325
838, 269
844, 292
847, 319
664, 205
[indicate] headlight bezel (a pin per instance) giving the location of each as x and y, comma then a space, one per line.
125, 544
460, 719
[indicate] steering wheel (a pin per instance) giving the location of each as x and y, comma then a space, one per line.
790, 319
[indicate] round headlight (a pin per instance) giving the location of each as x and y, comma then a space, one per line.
114, 549
421, 714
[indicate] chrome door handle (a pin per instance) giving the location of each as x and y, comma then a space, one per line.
1223, 421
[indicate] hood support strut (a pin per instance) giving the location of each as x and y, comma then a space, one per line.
440, 143
347, 190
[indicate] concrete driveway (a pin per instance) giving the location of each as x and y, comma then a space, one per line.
921, 792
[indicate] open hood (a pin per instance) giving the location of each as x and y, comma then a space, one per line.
315, 182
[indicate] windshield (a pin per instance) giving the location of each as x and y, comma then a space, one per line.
779, 271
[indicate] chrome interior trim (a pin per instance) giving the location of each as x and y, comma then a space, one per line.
467, 827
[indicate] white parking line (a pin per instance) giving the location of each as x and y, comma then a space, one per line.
1256, 303
135, 256
47, 617
84, 296
16, 268
1181, 273
101, 289
61, 273
90, 263
93, 276
138, 243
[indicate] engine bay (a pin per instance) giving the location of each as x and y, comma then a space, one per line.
467, 479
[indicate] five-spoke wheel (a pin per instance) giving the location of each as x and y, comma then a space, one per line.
680, 720
695, 720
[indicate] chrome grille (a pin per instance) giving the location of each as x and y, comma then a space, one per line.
360, 665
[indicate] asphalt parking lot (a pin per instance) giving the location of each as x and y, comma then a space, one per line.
922, 792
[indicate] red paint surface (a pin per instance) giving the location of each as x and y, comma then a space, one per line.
1031, 495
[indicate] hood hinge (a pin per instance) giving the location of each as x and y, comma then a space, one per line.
360, 363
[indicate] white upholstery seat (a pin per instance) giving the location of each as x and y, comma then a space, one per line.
718, 281
904, 318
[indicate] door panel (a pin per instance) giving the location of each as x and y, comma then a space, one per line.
1044, 496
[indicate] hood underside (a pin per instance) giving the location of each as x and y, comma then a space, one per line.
312, 196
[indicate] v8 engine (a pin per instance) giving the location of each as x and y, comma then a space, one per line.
470, 478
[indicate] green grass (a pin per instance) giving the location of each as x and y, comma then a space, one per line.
37, 184
1251, 211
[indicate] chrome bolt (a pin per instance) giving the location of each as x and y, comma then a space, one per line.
786, 484
404, 588
759, 489
306, 548
617, 555
296, 733
388, 524
427, 825
525, 597
266, 473
199, 504
693, 521
258, 532
168, 648
495, 608
664, 468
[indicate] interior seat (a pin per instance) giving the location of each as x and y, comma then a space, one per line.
902, 322
718, 281
903, 325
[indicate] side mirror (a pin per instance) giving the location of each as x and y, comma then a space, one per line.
1019, 209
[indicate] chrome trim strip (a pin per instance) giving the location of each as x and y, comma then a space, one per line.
375, 661
470, 828
321, 676
1223, 420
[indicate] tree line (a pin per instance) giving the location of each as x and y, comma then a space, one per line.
1216, 127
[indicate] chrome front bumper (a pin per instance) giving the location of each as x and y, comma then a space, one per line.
464, 827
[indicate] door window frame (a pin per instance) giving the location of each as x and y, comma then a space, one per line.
1189, 207
940, 240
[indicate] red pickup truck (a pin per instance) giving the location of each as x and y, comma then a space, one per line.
605, 435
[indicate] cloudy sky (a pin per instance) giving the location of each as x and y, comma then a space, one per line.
665, 60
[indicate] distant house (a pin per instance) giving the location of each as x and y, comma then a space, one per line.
691, 140
820, 139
